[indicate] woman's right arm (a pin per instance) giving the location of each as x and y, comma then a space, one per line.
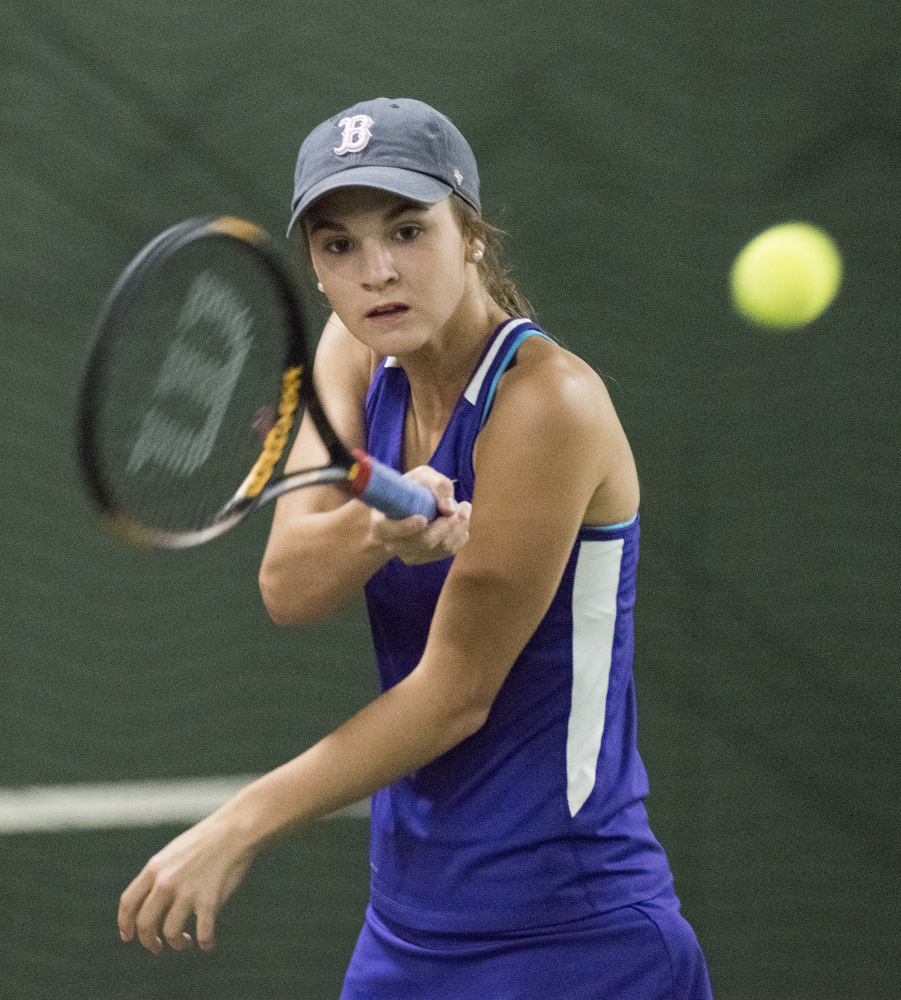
322, 547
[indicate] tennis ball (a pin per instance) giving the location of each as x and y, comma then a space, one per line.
787, 276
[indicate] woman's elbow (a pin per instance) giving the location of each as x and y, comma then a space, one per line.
288, 603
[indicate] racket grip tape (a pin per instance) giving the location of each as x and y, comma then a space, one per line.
387, 490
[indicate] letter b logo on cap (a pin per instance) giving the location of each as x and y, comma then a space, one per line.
357, 133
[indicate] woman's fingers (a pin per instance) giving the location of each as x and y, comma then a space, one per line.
415, 541
450, 531
164, 906
157, 904
157, 907
180, 912
206, 926
190, 878
131, 902
439, 484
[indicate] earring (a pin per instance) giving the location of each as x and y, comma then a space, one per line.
477, 255
319, 286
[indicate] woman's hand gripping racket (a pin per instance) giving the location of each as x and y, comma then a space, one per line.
199, 372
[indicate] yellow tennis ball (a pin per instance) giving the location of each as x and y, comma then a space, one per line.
787, 276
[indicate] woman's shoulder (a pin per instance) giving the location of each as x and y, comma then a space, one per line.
552, 383
343, 370
556, 406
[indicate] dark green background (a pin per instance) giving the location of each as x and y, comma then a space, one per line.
629, 150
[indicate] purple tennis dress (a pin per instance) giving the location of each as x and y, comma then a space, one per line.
520, 864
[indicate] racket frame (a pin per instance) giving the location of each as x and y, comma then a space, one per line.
360, 475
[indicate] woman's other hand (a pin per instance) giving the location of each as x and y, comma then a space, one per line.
413, 540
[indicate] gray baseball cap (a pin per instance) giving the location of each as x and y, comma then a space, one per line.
397, 145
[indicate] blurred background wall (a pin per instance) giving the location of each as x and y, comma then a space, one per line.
629, 151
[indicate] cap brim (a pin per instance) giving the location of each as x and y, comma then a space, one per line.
406, 183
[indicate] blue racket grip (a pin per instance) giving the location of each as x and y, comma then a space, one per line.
382, 487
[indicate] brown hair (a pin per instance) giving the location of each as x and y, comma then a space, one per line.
493, 267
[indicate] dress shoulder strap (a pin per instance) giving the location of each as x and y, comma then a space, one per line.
481, 390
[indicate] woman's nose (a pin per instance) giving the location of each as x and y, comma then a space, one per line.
378, 266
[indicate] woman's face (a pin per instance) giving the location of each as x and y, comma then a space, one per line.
394, 270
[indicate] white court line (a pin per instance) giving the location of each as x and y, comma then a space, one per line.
47, 809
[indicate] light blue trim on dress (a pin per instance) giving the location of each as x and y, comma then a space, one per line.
511, 350
613, 527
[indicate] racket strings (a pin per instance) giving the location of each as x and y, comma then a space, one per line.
194, 388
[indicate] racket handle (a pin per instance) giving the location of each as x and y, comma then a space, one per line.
387, 490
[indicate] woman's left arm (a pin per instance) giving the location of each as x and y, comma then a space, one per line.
552, 445
540, 460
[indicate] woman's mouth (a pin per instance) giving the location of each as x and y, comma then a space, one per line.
390, 310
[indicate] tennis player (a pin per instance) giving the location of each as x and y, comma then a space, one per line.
511, 853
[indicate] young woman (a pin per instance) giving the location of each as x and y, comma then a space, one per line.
511, 853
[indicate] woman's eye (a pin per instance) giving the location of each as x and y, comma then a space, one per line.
337, 246
407, 233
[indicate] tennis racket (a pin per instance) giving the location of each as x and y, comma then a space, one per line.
197, 377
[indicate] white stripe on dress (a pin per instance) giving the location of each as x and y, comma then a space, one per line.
475, 386
594, 616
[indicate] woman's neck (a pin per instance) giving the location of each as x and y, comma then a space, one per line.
440, 370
